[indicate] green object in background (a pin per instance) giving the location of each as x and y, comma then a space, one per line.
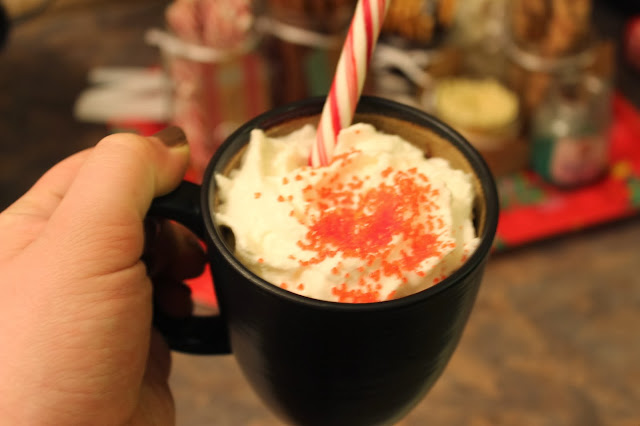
541, 152
518, 190
499, 244
634, 192
318, 73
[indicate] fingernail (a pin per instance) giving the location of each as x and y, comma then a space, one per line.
172, 136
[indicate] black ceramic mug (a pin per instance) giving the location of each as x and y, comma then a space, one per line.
324, 363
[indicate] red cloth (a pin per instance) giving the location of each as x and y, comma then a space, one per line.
533, 210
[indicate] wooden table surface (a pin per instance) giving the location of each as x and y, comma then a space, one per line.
553, 338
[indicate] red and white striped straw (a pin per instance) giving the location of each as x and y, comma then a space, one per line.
348, 80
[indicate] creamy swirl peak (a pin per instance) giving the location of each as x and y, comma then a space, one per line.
379, 222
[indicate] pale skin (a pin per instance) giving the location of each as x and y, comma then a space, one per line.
78, 346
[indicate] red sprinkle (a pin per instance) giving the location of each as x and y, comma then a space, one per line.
356, 295
364, 225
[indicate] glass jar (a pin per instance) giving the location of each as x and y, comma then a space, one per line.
486, 112
550, 29
302, 42
219, 79
570, 131
413, 50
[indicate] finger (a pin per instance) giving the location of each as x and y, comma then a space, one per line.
173, 299
174, 253
156, 405
152, 227
159, 363
99, 221
45, 195
24, 219
188, 259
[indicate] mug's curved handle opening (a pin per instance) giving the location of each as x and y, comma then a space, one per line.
204, 335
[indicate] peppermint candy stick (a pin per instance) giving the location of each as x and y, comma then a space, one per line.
348, 80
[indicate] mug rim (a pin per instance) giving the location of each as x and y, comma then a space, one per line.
367, 104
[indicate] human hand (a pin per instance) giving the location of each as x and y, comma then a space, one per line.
75, 297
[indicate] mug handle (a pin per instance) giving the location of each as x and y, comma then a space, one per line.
202, 335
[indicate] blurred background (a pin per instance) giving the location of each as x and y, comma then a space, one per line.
547, 90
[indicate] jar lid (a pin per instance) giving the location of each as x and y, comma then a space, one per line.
533, 61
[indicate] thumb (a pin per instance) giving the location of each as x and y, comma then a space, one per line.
98, 223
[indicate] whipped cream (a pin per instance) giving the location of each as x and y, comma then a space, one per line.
380, 222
